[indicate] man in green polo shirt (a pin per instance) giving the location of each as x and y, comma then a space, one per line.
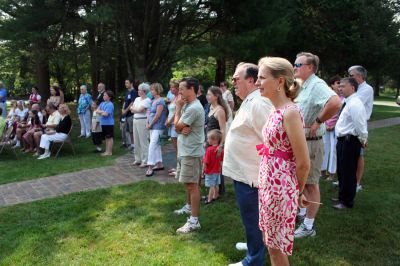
318, 103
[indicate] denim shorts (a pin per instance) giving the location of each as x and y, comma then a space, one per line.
212, 180
362, 152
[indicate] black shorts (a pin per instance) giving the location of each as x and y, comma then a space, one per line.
97, 137
108, 131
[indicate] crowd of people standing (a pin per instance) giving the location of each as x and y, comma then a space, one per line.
291, 129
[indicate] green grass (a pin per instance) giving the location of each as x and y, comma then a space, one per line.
134, 224
28, 167
383, 112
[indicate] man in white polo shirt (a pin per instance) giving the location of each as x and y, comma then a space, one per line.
241, 159
366, 94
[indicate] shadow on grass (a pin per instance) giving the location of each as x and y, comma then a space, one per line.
134, 224
34, 233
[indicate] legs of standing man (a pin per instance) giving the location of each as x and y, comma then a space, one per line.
348, 153
311, 190
360, 169
247, 199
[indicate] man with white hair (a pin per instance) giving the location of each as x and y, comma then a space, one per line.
3, 99
366, 94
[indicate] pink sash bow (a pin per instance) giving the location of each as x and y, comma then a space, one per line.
264, 151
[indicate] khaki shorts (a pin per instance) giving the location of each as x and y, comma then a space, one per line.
189, 169
316, 151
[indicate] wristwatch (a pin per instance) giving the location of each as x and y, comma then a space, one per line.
318, 120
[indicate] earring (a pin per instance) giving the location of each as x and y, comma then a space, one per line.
279, 89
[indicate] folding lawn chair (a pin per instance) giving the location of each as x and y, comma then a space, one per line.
5, 140
66, 141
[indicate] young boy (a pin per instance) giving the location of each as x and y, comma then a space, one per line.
212, 165
97, 136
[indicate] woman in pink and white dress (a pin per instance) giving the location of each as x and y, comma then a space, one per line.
285, 162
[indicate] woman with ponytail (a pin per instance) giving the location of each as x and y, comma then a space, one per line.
285, 162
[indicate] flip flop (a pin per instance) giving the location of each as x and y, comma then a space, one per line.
172, 170
158, 168
206, 202
149, 172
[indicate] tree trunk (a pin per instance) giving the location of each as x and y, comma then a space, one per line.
377, 83
220, 71
94, 64
43, 76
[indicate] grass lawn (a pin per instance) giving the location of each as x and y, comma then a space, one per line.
28, 167
134, 224
385, 107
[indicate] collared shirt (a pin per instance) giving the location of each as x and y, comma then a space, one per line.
84, 103
241, 160
313, 96
366, 94
352, 119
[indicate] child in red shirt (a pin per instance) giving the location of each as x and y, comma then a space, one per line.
212, 165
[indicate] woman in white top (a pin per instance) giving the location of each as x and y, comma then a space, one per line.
11, 113
21, 110
140, 133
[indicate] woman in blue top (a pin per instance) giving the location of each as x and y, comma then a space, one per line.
106, 113
156, 124
84, 104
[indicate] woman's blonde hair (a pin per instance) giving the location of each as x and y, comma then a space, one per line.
280, 67
65, 107
157, 87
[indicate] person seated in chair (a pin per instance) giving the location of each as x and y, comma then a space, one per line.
53, 119
60, 133
2, 124
35, 126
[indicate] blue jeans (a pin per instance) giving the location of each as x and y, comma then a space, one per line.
247, 199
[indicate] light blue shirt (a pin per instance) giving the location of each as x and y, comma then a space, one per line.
109, 119
313, 96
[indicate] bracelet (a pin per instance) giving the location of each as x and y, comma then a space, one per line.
318, 120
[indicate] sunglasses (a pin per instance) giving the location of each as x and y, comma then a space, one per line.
298, 65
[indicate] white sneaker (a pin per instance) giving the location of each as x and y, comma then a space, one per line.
241, 246
359, 188
236, 264
302, 231
183, 210
188, 227
44, 156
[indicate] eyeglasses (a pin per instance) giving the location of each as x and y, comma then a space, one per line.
298, 65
